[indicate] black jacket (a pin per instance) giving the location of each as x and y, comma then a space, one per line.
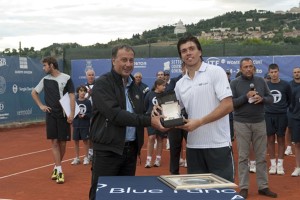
110, 118
172, 84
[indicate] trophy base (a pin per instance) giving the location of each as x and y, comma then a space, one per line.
172, 122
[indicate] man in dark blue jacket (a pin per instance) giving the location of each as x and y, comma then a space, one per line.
117, 127
176, 135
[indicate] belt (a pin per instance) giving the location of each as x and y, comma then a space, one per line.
129, 143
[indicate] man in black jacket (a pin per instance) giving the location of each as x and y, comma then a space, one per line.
176, 135
117, 127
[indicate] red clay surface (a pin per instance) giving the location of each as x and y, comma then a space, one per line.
26, 164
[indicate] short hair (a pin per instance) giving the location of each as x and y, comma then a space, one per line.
115, 49
89, 69
81, 87
245, 59
273, 66
158, 72
158, 82
188, 38
50, 60
138, 74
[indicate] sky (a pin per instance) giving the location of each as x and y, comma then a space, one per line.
40, 23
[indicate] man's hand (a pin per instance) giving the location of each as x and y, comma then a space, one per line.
45, 108
257, 99
156, 124
190, 124
70, 119
156, 111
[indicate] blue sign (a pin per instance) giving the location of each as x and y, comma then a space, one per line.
150, 66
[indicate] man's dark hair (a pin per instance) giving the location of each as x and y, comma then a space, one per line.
188, 38
115, 50
245, 59
273, 66
51, 60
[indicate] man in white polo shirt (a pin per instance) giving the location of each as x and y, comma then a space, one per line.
205, 93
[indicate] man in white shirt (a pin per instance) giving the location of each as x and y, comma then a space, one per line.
205, 93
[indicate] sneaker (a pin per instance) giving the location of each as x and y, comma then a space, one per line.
86, 161
244, 193
157, 163
288, 151
296, 172
54, 174
272, 169
280, 170
185, 163
252, 168
60, 178
148, 164
76, 161
181, 162
168, 145
90, 157
267, 192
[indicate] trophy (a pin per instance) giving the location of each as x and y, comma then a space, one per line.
170, 109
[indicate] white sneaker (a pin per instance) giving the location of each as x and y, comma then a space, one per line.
86, 161
252, 168
181, 162
168, 145
288, 151
185, 163
272, 169
157, 163
296, 172
76, 161
280, 170
148, 164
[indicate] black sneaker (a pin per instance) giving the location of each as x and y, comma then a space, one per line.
244, 193
267, 192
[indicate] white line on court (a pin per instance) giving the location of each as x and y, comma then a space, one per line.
26, 154
29, 170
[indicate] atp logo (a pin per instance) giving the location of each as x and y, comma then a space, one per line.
276, 95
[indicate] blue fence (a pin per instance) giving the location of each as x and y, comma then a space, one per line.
18, 76
149, 66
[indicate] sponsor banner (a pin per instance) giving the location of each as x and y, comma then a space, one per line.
149, 187
150, 66
18, 76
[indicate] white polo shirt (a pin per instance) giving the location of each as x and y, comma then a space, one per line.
200, 96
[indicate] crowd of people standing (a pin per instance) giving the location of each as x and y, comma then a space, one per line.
118, 107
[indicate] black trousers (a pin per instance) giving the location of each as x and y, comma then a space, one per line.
175, 139
218, 161
107, 163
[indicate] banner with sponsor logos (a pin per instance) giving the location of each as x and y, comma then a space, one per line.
18, 75
150, 66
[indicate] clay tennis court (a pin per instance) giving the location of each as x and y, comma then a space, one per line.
26, 164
